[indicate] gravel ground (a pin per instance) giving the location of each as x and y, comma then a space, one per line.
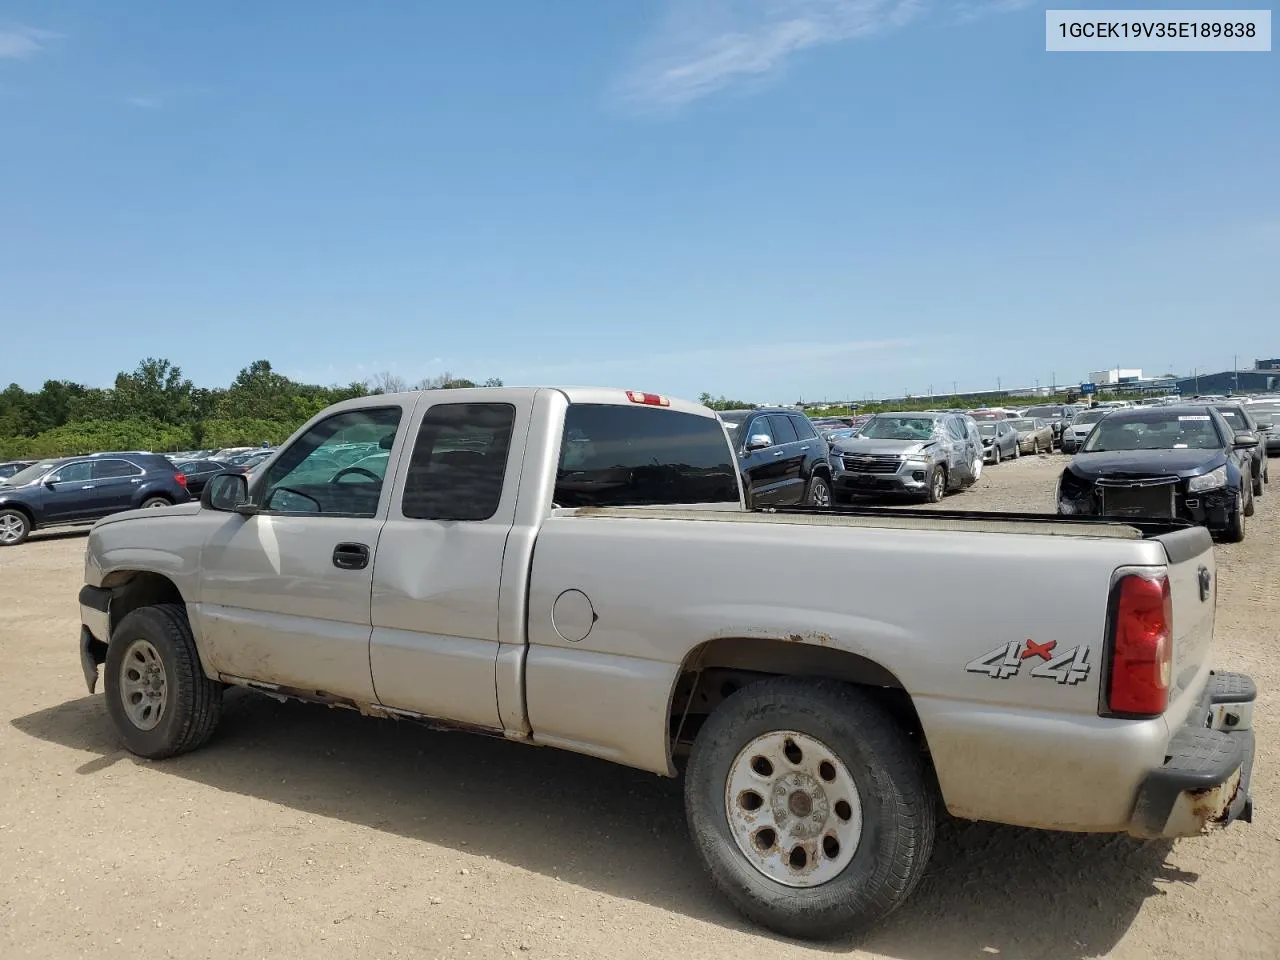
306, 832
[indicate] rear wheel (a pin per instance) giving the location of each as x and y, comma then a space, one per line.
1249, 507
1257, 484
15, 527
152, 503
809, 807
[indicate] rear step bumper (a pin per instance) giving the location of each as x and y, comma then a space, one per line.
1204, 782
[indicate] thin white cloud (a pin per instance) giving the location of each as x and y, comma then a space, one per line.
704, 46
23, 43
143, 103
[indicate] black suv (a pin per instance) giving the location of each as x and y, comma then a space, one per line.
82, 489
782, 459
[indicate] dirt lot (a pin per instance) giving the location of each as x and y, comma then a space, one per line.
306, 832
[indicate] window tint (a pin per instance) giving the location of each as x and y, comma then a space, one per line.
639, 456
308, 478
459, 462
804, 428
783, 431
112, 469
74, 472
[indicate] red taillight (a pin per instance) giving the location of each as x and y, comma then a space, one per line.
181, 478
1141, 647
652, 399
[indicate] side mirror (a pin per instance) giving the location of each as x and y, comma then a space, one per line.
758, 442
228, 493
1245, 441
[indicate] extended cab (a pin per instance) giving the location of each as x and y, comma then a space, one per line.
574, 568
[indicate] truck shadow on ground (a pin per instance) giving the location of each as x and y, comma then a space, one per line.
990, 891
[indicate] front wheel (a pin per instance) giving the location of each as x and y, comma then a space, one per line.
1249, 507
819, 494
995, 456
937, 485
809, 807
1257, 484
14, 527
1235, 522
159, 698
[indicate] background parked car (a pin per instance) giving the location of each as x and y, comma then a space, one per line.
782, 459
1034, 435
1240, 419
11, 467
913, 454
1056, 415
1081, 425
81, 489
198, 473
1183, 462
999, 440
1267, 414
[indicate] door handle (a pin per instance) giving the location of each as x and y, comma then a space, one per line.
777, 453
351, 556
87, 486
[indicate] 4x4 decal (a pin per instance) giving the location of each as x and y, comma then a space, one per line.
1006, 661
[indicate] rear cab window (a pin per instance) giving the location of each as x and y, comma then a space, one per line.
639, 456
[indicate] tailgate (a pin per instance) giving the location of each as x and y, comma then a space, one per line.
1193, 587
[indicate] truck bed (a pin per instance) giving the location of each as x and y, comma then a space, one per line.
968, 521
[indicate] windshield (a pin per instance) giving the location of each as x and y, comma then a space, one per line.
1044, 413
1091, 416
898, 428
1181, 432
33, 472
1022, 426
987, 429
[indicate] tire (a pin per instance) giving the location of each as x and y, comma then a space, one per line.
1235, 531
1017, 450
976, 469
995, 457
152, 503
1249, 507
190, 705
15, 527
937, 485
863, 747
819, 492
1257, 486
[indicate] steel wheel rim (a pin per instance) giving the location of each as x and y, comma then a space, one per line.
11, 528
939, 485
144, 687
821, 495
156, 502
793, 809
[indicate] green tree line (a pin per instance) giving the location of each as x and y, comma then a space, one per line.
155, 407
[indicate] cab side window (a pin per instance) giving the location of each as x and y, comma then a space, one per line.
74, 473
783, 430
333, 468
114, 469
804, 428
459, 462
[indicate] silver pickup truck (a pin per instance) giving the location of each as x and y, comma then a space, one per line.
574, 568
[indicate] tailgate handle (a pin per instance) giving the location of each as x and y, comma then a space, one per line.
351, 556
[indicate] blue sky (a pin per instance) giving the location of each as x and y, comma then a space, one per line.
770, 200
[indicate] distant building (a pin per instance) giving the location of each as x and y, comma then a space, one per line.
1115, 375
1266, 364
1266, 380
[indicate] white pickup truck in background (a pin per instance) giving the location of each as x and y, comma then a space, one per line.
574, 568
